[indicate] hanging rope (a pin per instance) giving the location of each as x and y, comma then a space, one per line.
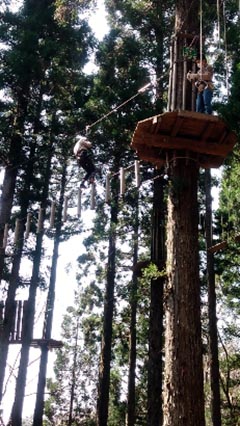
225, 47
201, 37
218, 24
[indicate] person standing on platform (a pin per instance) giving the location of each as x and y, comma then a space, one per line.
204, 85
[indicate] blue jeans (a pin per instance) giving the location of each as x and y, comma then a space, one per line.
204, 101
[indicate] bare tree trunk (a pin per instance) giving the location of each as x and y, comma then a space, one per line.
186, 18
155, 361
13, 281
11, 171
27, 335
16, 261
131, 402
183, 384
156, 307
9, 313
213, 334
73, 376
47, 331
104, 368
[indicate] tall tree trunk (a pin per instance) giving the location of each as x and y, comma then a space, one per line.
73, 376
160, 33
27, 334
213, 334
9, 314
104, 369
11, 171
13, 284
16, 261
183, 384
158, 253
47, 331
131, 401
183, 378
156, 307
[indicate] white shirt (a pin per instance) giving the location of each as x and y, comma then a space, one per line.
81, 144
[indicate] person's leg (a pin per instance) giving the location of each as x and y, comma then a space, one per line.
86, 163
82, 162
200, 102
90, 169
207, 97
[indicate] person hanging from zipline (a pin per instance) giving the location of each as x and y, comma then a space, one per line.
204, 85
82, 151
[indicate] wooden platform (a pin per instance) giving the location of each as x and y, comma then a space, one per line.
205, 138
37, 343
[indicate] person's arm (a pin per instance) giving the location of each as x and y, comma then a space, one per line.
191, 76
76, 148
87, 144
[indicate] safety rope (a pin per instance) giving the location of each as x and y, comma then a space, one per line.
201, 39
218, 24
225, 47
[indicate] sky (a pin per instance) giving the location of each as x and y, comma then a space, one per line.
98, 20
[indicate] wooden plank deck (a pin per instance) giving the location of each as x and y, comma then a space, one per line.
207, 136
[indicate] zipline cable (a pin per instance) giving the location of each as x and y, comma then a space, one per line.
141, 90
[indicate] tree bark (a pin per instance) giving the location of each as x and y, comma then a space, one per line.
9, 314
16, 261
47, 331
11, 172
104, 368
213, 333
183, 384
181, 93
131, 402
158, 256
27, 334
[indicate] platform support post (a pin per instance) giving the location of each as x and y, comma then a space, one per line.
79, 203
122, 180
137, 173
52, 214
65, 208
5, 235
107, 193
28, 226
93, 196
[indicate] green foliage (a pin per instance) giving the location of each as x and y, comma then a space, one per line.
74, 378
67, 11
231, 110
151, 272
117, 408
230, 367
